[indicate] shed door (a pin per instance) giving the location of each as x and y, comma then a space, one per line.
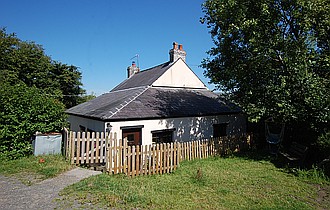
133, 135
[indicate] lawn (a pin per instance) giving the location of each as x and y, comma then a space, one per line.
30, 170
214, 183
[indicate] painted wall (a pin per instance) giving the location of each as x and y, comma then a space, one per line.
95, 125
185, 128
179, 75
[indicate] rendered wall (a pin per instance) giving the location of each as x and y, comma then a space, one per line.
179, 75
95, 125
186, 129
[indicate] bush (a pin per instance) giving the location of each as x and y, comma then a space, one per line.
25, 110
323, 144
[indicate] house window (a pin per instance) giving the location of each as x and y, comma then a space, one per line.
133, 134
162, 136
220, 129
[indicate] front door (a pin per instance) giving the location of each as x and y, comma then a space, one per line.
133, 135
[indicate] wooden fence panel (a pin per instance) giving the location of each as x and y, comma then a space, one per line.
105, 148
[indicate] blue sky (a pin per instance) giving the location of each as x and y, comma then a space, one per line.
102, 36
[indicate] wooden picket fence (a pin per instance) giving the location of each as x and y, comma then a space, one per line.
117, 157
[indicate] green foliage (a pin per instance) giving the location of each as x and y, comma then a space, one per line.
22, 61
323, 143
67, 80
272, 57
25, 110
314, 175
34, 93
86, 97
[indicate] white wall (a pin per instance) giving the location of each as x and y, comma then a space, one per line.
186, 128
95, 125
179, 75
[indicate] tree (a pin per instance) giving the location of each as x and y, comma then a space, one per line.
22, 61
272, 58
25, 110
68, 79
33, 92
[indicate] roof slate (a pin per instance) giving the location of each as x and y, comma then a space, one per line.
136, 98
144, 78
106, 105
151, 102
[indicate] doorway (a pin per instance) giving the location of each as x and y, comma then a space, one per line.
133, 135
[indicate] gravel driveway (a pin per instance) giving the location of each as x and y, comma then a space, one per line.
15, 195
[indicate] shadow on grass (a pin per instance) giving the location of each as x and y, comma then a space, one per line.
264, 155
313, 172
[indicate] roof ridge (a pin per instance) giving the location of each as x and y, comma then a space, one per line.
151, 68
144, 77
127, 102
179, 88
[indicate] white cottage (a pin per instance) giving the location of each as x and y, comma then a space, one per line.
164, 103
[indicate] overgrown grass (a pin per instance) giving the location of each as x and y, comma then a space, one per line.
215, 183
33, 169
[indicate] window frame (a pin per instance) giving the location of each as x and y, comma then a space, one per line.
162, 136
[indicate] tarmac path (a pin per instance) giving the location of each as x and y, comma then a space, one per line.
15, 195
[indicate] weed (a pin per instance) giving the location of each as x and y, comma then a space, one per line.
314, 175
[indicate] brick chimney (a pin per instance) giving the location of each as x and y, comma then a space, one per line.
131, 70
177, 52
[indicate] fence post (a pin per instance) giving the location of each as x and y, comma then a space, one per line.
88, 150
133, 161
73, 146
101, 147
144, 160
178, 153
153, 159
110, 154
82, 148
161, 158
65, 142
120, 156
125, 158
129, 160
78, 148
137, 159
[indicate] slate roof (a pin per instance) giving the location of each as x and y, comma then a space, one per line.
105, 106
144, 78
135, 98
153, 103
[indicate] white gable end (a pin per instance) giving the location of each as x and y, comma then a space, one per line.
179, 75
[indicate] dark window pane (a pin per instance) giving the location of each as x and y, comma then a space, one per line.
220, 129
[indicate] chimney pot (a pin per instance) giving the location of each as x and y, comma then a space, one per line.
177, 52
175, 45
131, 70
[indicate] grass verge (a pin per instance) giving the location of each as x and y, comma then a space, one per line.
214, 183
30, 170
